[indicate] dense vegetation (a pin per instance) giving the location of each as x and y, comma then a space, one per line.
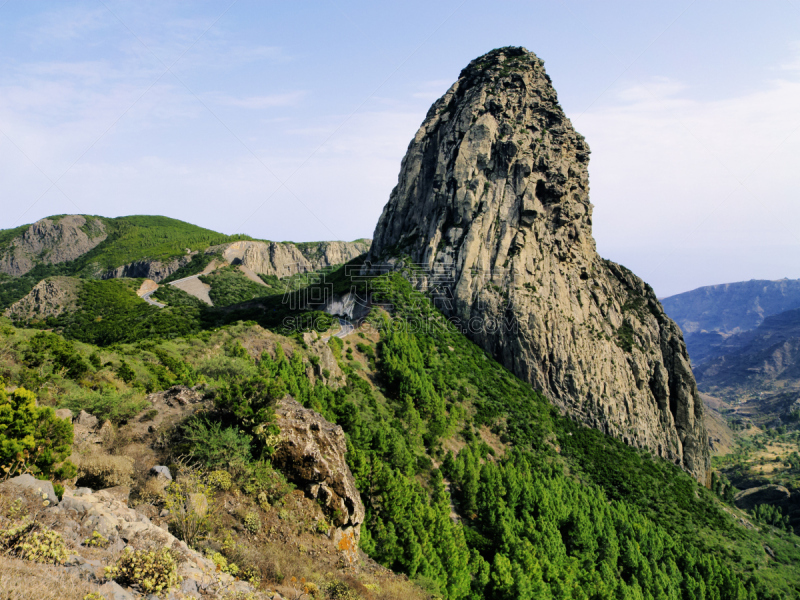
230, 286
474, 485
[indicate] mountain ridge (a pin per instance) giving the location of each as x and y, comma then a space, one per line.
143, 246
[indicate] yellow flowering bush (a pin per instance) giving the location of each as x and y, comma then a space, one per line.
154, 571
45, 546
220, 480
252, 522
96, 541
27, 541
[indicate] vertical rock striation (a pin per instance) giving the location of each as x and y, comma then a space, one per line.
51, 241
495, 188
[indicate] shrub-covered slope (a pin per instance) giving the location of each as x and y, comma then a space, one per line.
474, 485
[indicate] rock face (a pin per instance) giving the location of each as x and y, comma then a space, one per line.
49, 298
311, 455
283, 259
148, 269
765, 494
52, 241
494, 193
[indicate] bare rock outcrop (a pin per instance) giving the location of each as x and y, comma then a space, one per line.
765, 494
52, 241
311, 453
148, 269
493, 193
283, 258
49, 298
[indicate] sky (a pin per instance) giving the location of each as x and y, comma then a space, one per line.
288, 120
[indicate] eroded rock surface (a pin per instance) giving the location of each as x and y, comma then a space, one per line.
765, 494
311, 453
284, 259
148, 269
49, 298
52, 241
494, 191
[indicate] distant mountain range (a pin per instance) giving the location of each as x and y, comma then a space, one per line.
744, 343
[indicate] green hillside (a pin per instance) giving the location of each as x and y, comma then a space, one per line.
130, 239
538, 506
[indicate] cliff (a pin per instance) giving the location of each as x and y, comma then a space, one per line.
492, 203
51, 241
285, 258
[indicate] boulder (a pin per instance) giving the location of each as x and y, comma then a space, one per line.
311, 454
119, 492
161, 471
86, 420
64, 413
28, 483
492, 208
114, 591
177, 395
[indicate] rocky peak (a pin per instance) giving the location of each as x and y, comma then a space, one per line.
51, 241
494, 193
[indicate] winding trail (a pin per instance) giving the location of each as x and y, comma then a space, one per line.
345, 329
146, 297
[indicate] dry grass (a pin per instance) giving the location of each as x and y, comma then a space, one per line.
23, 580
100, 470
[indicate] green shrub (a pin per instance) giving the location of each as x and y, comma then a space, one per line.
215, 445
189, 501
227, 369
44, 347
107, 403
32, 431
153, 571
96, 541
125, 372
44, 546
252, 522
262, 481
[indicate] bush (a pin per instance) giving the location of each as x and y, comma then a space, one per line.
188, 500
99, 471
227, 368
265, 483
214, 445
46, 346
45, 546
153, 571
96, 541
27, 541
29, 430
252, 522
220, 480
106, 404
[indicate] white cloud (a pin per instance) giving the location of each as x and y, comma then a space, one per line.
262, 102
670, 172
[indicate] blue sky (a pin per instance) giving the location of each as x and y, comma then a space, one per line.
288, 120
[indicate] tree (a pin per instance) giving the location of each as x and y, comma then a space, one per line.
29, 429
